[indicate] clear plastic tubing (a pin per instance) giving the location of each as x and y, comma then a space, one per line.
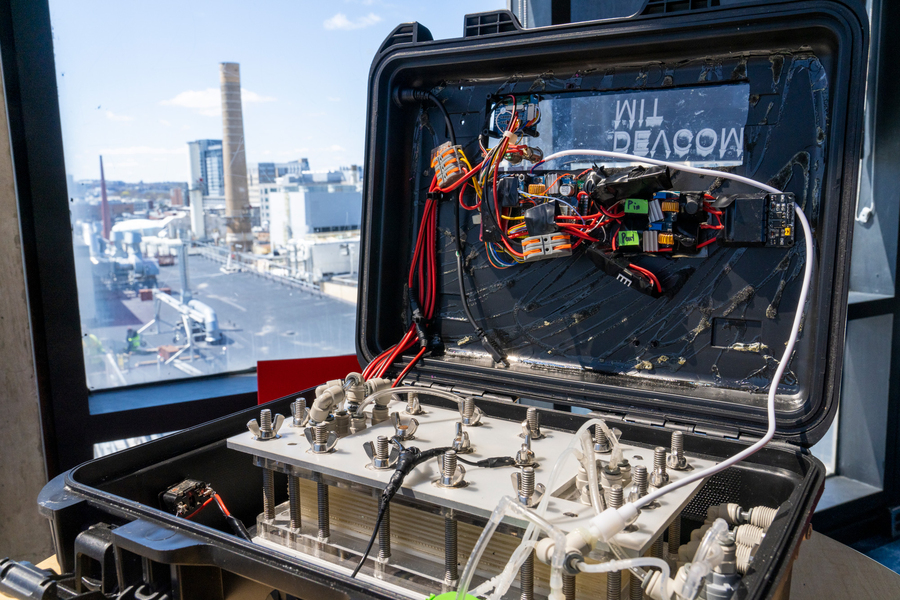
631, 563
506, 506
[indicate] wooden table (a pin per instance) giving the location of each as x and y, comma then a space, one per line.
824, 569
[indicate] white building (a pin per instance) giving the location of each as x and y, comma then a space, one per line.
312, 209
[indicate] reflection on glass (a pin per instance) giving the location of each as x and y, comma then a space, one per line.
213, 155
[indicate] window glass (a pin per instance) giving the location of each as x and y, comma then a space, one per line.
212, 152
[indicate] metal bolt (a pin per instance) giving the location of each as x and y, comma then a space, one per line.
674, 538
526, 578
265, 430
601, 443
448, 468
322, 439
299, 413
659, 477
568, 586
636, 587
656, 550
452, 475
412, 404
471, 414
523, 482
616, 497
532, 424
383, 455
468, 407
268, 494
461, 442
676, 459
384, 535
525, 456
640, 482
324, 516
381, 447
294, 500
451, 552
614, 578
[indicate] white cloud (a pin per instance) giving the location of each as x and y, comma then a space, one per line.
335, 148
208, 102
141, 150
332, 98
114, 117
340, 21
164, 122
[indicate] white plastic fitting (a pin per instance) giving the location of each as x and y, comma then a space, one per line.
325, 401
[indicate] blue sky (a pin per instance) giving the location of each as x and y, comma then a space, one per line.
137, 81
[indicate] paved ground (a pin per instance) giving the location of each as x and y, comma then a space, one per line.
260, 320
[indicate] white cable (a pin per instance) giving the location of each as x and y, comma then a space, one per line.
795, 328
661, 163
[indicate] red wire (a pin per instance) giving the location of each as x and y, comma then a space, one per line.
221, 505
408, 367
706, 243
202, 506
649, 275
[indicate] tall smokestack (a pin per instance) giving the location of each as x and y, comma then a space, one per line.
105, 217
237, 198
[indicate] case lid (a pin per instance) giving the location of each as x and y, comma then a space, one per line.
769, 90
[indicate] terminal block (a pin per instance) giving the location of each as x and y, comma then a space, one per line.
448, 164
552, 245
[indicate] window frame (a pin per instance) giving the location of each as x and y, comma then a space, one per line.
35, 133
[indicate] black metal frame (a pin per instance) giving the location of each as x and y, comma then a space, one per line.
69, 430
869, 516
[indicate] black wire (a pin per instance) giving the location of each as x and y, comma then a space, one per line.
459, 273
378, 520
459, 245
434, 100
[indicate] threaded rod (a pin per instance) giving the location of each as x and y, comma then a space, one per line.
451, 552
324, 516
526, 578
268, 494
294, 499
384, 535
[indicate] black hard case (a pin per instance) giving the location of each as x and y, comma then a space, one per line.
809, 145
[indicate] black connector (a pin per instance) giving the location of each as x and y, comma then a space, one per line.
403, 96
419, 322
496, 353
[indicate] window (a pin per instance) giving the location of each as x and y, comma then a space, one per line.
203, 245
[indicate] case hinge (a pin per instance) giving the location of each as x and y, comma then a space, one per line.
717, 431
686, 427
644, 420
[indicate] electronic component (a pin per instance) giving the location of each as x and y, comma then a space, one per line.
759, 220
541, 219
540, 247
447, 162
636, 183
650, 241
780, 220
527, 109
654, 211
186, 497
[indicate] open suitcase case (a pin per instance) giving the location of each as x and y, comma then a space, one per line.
769, 90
